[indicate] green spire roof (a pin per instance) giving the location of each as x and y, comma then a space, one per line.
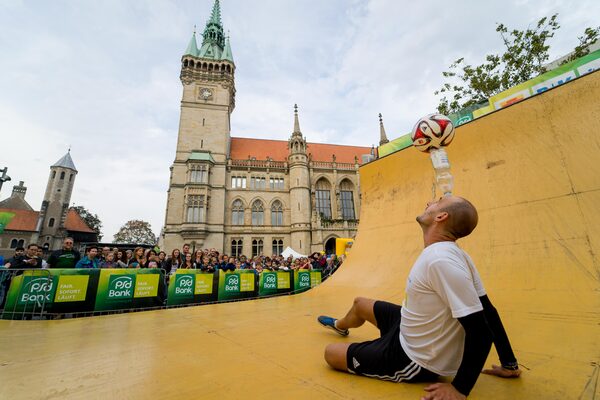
192, 48
227, 52
215, 16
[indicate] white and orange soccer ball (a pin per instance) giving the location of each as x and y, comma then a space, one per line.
432, 132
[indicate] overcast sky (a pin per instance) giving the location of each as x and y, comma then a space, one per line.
103, 78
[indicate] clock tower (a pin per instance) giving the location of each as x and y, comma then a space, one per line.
195, 205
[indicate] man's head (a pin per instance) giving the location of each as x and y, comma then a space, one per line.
452, 217
92, 252
105, 251
19, 251
32, 250
68, 244
186, 248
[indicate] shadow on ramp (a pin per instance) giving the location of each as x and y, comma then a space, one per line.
533, 171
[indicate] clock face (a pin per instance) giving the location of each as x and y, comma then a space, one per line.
205, 93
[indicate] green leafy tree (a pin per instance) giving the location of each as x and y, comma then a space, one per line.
90, 219
525, 55
135, 231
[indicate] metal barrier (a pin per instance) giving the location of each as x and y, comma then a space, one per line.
30, 301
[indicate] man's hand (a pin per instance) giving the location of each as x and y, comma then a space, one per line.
502, 372
442, 391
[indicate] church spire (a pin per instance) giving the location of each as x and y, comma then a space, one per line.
227, 52
382, 136
213, 38
192, 48
215, 15
296, 121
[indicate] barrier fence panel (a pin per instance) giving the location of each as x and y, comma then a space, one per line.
30, 293
276, 282
240, 284
120, 289
192, 287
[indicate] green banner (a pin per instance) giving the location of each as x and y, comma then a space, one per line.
52, 291
315, 277
130, 288
239, 284
5, 218
192, 287
302, 280
275, 282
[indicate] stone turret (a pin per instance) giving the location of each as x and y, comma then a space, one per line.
300, 202
382, 136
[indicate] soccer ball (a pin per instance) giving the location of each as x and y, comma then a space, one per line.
432, 132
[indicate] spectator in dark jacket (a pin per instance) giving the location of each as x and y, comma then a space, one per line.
90, 260
64, 258
29, 259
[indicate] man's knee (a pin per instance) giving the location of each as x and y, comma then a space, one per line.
335, 356
364, 306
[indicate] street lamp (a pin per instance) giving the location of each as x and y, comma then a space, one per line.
4, 177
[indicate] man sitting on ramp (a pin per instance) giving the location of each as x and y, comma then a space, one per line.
446, 324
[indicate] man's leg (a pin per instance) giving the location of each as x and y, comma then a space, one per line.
361, 311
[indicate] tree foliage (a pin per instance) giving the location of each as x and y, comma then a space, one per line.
525, 56
90, 219
135, 231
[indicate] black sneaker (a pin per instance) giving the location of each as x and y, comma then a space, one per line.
329, 322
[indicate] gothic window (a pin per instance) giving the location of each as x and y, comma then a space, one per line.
323, 198
276, 213
347, 199
236, 247
238, 182
21, 243
51, 223
198, 174
62, 175
195, 209
277, 246
14, 243
237, 213
257, 247
258, 213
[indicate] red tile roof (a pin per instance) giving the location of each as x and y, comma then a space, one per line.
24, 220
277, 150
75, 223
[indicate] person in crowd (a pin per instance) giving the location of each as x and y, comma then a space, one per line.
206, 265
184, 250
230, 265
90, 259
198, 258
121, 259
29, 259
105, 251
129, 253
162, 259
137, 260
238, 264
109, 262
269, 265
19, 252
150, 255
40, 254
305, 263
244, 262
445, 309
173, 262
188, 263
65, 257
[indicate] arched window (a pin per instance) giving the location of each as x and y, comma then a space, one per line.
185, 63
347, 199
62, 175
276, 213
277, 247
192, 64
323, 198
71, 178
51, 222
257, 247
21, 243
237, 213
14, 243
236, 247
258, 213
53, 174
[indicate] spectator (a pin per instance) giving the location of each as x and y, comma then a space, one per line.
129, 253
197, 259
90, 259
150, 256
187, 262
105, 251
40, 254
230, 265
29, 259
206, 266
137, 260
173, 262
184, 250
109, 262
66, 257
121, 259
162, 259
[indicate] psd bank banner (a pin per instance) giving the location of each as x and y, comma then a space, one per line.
192, 287
130, 288
278, 282
53, 291
239, 284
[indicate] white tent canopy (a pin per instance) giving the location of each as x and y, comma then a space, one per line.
291, 252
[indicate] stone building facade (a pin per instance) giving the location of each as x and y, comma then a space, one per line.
251, 196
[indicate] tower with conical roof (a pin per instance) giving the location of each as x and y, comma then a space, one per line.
382, 136
197, 183
51, 222
300, 201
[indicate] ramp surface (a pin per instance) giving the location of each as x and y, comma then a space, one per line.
533, 171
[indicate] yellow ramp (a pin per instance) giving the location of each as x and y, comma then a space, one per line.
533, 170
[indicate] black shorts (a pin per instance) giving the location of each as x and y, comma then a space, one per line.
384, 358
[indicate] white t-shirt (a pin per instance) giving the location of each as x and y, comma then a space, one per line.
443, 285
